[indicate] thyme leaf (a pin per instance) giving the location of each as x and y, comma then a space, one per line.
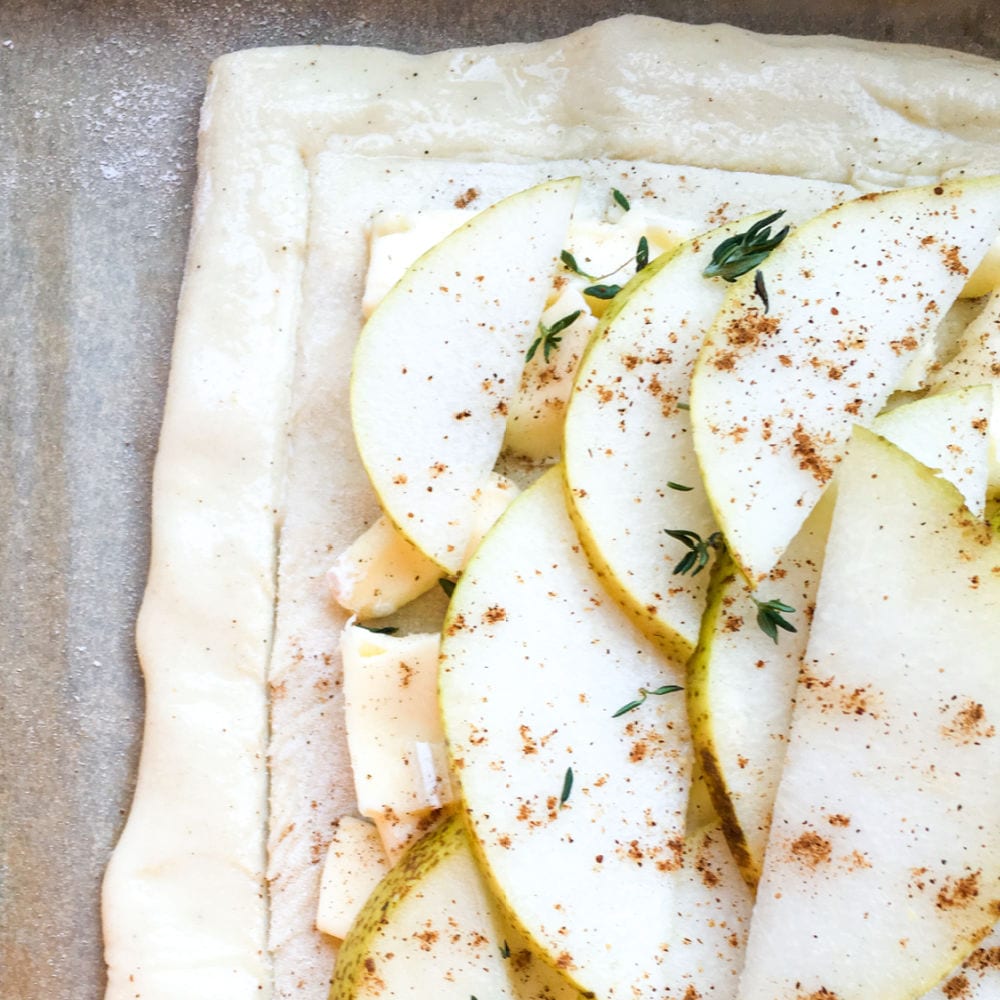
745, 251
384, 630
549, 336
699, 550
644, 693
567, 786
569, 261
679, 487
769, 617
620, 199
505, 950
641, 254
602, 291
761, 289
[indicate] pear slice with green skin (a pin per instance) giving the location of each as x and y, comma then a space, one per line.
882, 870
578, 815
776, 390
431, 929
441, 356
977, 978
948, 432
630, 466
741, 686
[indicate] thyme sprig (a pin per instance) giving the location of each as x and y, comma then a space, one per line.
601, 290
699, 550
769, 617
549, 337
644, 693
745, 251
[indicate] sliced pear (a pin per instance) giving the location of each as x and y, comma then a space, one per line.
882, 871
430, 929
950, 433
355, 863
631, 471
741, 687
977, 362
394, 732
986, 277
440, 357
579, 817
977, 978
381, 570
852, 294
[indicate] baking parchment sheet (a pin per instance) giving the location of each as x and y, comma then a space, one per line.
98, 117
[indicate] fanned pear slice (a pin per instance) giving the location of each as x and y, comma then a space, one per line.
430, 929
948, 432
631, 470
777, 387
440, 358
579, 816
977, 978
741, 686
882, 870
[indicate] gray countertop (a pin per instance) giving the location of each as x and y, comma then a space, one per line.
98, 115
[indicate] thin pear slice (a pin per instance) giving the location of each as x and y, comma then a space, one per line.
440, 358
977, 978
948, 432
741, 686
851, 295
882, 870
430, 929
631, 469
578, 816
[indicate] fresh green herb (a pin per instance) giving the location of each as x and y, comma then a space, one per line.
761, 289
743, 252
386, 630
549, 336
699, 552
448, 586
505, 950
620, 199
644, 693
769, 618
567, 786
570, 262
602, 291
678, 486
683, 406
641, 254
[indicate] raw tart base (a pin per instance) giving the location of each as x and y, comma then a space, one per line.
211, 892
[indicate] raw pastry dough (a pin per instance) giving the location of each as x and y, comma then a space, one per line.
256, 480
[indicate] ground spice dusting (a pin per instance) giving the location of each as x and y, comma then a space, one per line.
810, 460
750, 329
958, 892
811, 849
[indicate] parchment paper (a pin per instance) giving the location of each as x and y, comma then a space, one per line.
98, 112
